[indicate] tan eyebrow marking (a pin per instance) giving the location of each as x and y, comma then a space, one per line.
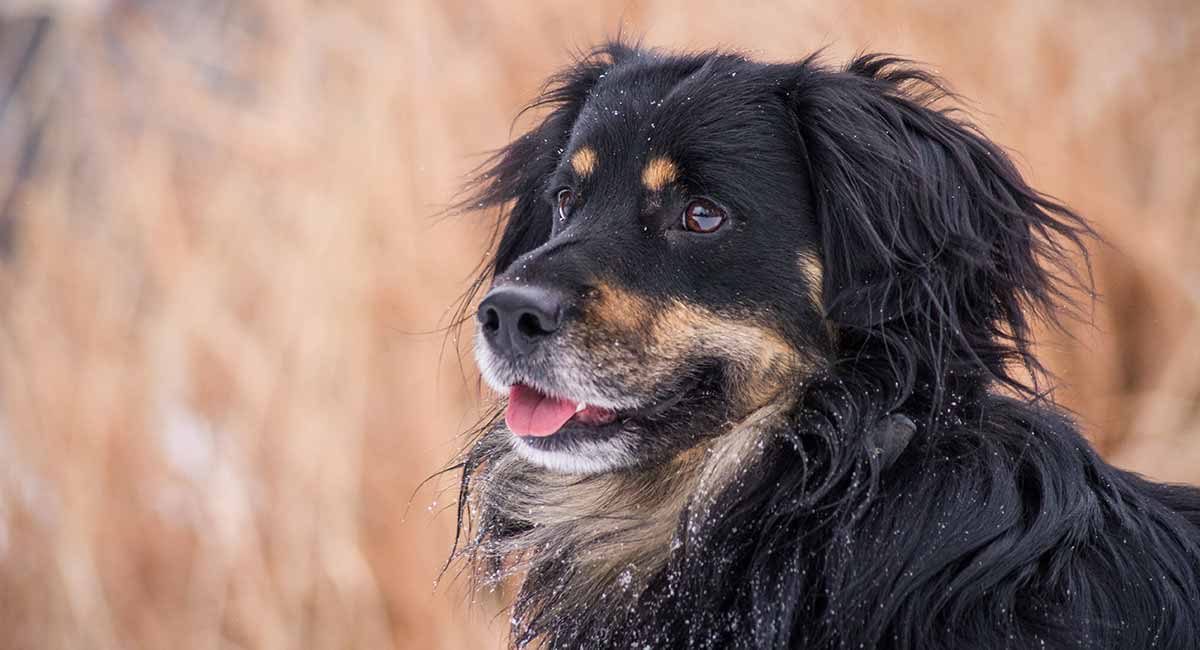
658, 172
583, 161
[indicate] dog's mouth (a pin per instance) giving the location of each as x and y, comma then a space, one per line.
533, 414
548, 421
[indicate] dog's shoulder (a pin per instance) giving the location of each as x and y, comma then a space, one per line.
1008, 525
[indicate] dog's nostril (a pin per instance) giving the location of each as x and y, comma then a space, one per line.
491, 320
531, 325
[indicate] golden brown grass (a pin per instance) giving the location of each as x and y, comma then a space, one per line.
216, 398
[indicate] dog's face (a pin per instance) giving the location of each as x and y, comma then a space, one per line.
676, 285
689, 238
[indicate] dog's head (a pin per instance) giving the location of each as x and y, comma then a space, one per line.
688, 238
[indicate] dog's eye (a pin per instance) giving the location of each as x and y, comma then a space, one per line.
702, 215
566, 200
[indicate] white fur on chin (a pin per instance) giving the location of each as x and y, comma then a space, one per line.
584, 457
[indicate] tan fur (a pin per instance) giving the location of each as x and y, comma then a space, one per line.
810, 266
622, 522
658, 173
584, 161
658, 339
620, 310
815, 274
761, 357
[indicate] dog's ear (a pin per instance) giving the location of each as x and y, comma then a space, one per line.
934, 247
514, 177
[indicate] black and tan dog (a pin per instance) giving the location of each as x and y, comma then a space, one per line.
764, 333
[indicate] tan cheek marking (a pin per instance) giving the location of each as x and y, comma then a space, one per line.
668, 334
583, 161
763, 358
621, 310
658, 172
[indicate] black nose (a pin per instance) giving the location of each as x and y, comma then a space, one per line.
516, 318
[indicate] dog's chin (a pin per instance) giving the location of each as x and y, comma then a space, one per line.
581, 457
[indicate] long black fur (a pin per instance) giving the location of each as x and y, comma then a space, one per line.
996, 525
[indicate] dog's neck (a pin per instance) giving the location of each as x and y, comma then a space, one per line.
605, 535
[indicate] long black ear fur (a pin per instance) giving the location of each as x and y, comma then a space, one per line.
935, 250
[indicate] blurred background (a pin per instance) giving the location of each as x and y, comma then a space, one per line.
222, 277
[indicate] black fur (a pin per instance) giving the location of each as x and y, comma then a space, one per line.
920, 492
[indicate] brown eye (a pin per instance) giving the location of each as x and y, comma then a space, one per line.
702, 215
566, 199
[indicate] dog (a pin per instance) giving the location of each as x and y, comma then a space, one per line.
764, 331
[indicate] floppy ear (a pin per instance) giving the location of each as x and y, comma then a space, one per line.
514, 177
934, 248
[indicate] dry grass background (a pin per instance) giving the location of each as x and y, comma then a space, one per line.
220, 255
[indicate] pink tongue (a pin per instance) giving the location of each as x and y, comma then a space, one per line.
531, 413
